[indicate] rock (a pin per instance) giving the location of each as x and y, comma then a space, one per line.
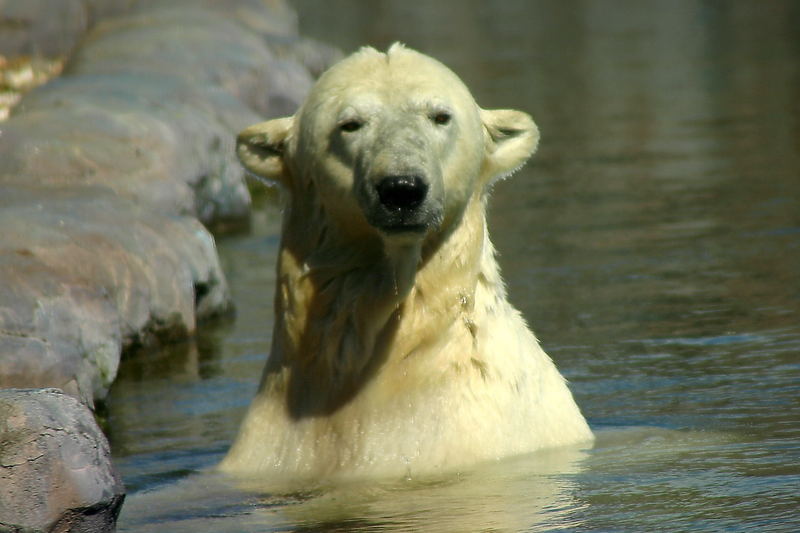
87, 273
41, 27
158, 141
260, 17
105, 172
312, 54
100, 9
202, 46
56, 473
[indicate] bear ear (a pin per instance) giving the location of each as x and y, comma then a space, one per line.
511, 138
260, 148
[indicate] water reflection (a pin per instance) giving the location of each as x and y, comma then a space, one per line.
532, 491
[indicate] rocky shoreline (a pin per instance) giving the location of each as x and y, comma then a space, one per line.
110, 176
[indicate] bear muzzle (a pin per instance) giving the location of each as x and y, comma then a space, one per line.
403, 203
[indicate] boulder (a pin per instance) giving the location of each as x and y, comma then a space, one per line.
107, 177
107, 172
85, 275
41, 27
157, 140
56, 473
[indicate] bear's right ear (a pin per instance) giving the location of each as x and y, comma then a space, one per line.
511, 138
260, 148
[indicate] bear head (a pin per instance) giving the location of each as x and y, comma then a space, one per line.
390, 143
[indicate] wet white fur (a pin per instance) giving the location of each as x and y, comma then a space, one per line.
394, 355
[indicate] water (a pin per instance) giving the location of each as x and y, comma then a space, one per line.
653, 243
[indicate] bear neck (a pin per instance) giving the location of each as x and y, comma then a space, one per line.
347, 310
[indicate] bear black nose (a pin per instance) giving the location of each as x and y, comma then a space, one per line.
402, 192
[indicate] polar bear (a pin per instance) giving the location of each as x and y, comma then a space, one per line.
395, 350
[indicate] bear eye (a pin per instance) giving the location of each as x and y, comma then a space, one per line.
351, 125
441, 118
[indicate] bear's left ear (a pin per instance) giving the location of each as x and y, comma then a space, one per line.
260, 148
511, 138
